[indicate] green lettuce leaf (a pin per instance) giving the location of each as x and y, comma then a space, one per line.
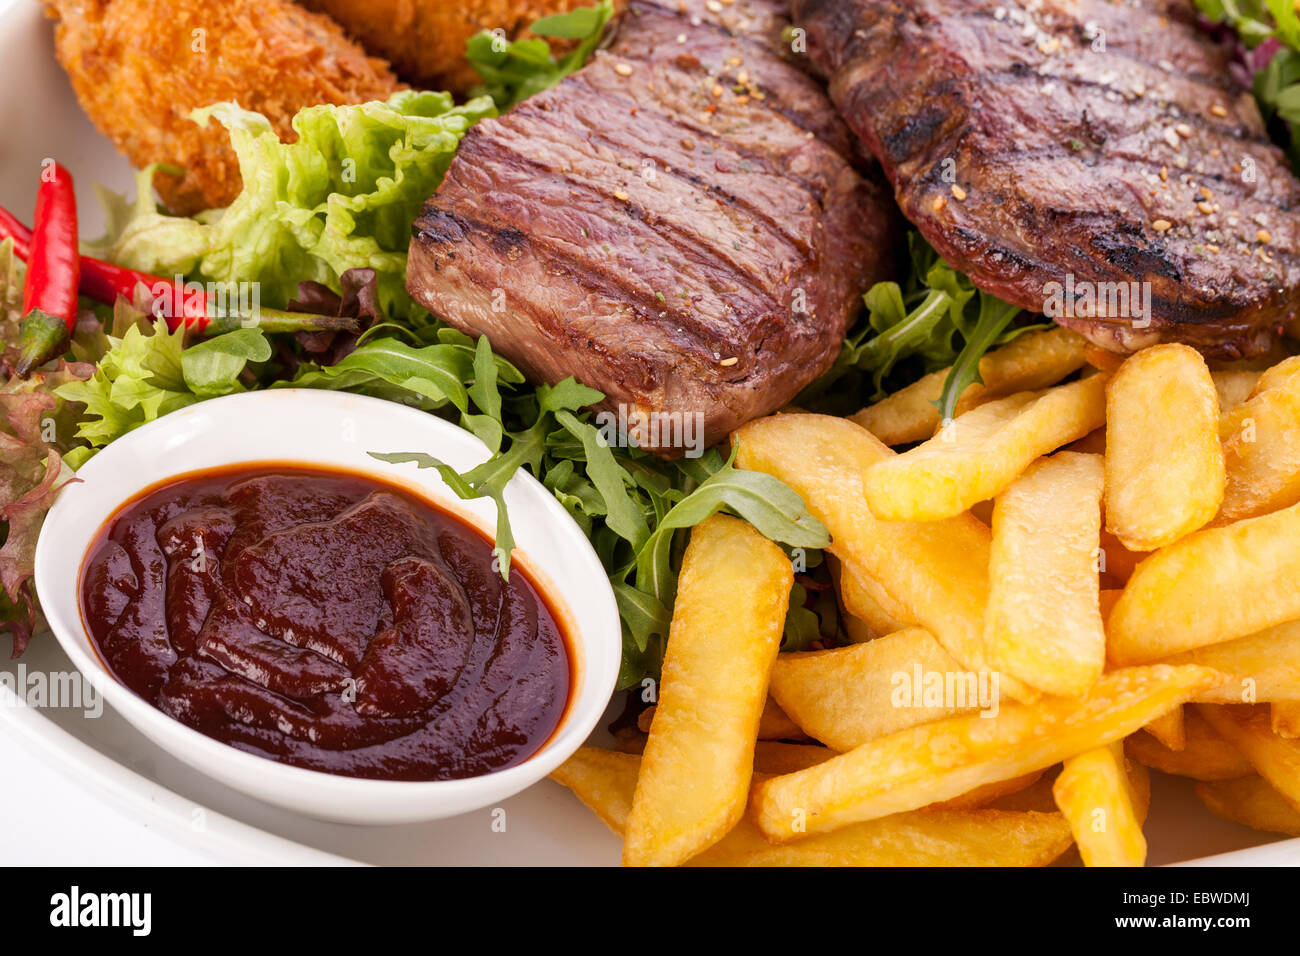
514, 71
342, 196
11, 300
146, 374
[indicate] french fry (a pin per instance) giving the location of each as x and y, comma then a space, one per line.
1285, 718
1094, 795
865, 599
1170, 730
937, 571
605, 782
726, 629
1204, 755
1102, 359
773, 757
1116, 562
1031, 361
980, 453
984, 795
1233, 386
1038, 795
773, 724
1093, 443
849, 695
1164, 464
1139, 780
1275, 375
1261, 447
1251, 802
1107, 598
1043, 622
1264, 666
938, 761
1214, 585
1247, 727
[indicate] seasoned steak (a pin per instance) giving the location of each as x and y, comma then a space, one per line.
1070, 144
679, 224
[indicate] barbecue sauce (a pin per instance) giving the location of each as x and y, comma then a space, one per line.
326, 620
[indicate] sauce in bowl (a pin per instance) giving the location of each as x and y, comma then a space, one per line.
328, 620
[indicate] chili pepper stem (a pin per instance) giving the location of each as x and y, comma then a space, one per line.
277, 320
40, 338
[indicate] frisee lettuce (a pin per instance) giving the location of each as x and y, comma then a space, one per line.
342, 196
148, 372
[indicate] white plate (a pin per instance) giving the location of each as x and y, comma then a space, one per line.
106, 759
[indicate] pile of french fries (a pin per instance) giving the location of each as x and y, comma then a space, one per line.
1094, 569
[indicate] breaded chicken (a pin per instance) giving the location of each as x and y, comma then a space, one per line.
425, 39
140, 66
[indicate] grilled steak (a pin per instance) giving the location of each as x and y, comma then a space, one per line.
1049, 144
679, 224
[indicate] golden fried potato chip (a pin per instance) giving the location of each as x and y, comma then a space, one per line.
1031, 361
940, 760
849, 695
1251, 802
1043, 623
1170, 729
1164, 464
1116, 562
774, 757
605, 782
1261, 447
1247, 727
980, 453
989, 793
1264, 666
1233, 386
1285, 718
1214, 585
727, 624
773, 724
1204, 755
865, 599
1095, 796
937, 571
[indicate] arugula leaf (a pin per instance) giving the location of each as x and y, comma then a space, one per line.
995, 315
931, 321
515, 70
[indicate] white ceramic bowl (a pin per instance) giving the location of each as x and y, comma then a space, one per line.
333, 429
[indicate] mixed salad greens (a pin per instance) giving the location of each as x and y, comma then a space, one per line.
322, 226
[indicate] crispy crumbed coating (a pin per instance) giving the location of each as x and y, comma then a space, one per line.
140, 66
425, 39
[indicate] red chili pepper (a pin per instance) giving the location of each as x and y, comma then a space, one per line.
53, 272
104, 281
11, 228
